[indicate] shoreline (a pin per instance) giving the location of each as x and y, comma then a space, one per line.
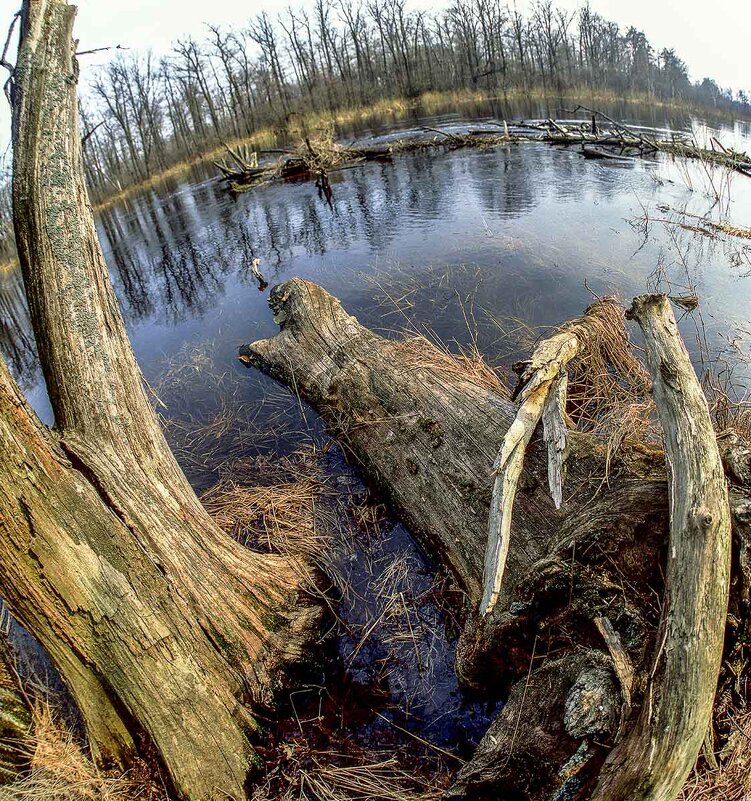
426, 104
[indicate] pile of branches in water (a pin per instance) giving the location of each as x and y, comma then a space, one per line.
313, 158
599, 137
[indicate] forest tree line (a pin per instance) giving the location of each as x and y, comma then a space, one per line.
152, 111
143, 113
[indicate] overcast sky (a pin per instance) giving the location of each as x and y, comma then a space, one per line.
713, 39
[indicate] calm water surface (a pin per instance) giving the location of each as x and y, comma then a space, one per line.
474, 246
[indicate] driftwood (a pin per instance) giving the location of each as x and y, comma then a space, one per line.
614, 142
578, 615
657, 755
609, 140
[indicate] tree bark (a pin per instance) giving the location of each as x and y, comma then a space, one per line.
162, 626
654, 759
586, 577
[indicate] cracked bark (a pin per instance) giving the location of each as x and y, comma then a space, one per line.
426, 434
162, 626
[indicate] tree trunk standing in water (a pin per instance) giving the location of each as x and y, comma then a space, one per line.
165, 630
581, 583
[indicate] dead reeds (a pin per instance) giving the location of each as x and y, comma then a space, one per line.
313, 775
419, 353
730, 778
61, 771
212, 418
381, 780
278, 506
321, 153
608, 388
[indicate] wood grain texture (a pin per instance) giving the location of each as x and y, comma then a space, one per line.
423, 430
655, 757
160, 624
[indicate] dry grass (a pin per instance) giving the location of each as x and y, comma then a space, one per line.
285, 513
418, 353
308, 774
731, 781
730, 410
384, 781
608, 390
61, 771
419, 301
212, 417
322, 153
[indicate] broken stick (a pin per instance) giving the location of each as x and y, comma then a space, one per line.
542, 396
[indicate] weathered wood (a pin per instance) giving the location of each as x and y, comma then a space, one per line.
421, 425
545, 734
425, 430
654, 758
607, 562
624, 670
165, 630
541, 395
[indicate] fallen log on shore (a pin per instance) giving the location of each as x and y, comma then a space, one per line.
581, 640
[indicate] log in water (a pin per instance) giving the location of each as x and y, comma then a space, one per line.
580, 604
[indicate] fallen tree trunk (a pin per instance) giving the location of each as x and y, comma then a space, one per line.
425, 428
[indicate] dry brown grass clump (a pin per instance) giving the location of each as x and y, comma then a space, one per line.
322, 152
307, 774
419, 353
730, 414
61, 771
381, 780
276, 505
608, 389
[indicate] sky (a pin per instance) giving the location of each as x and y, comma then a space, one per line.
711, 39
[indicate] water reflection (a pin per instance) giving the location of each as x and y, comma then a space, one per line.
16, 339
534, 220
480, 248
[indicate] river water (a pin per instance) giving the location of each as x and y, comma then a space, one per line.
475, 247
